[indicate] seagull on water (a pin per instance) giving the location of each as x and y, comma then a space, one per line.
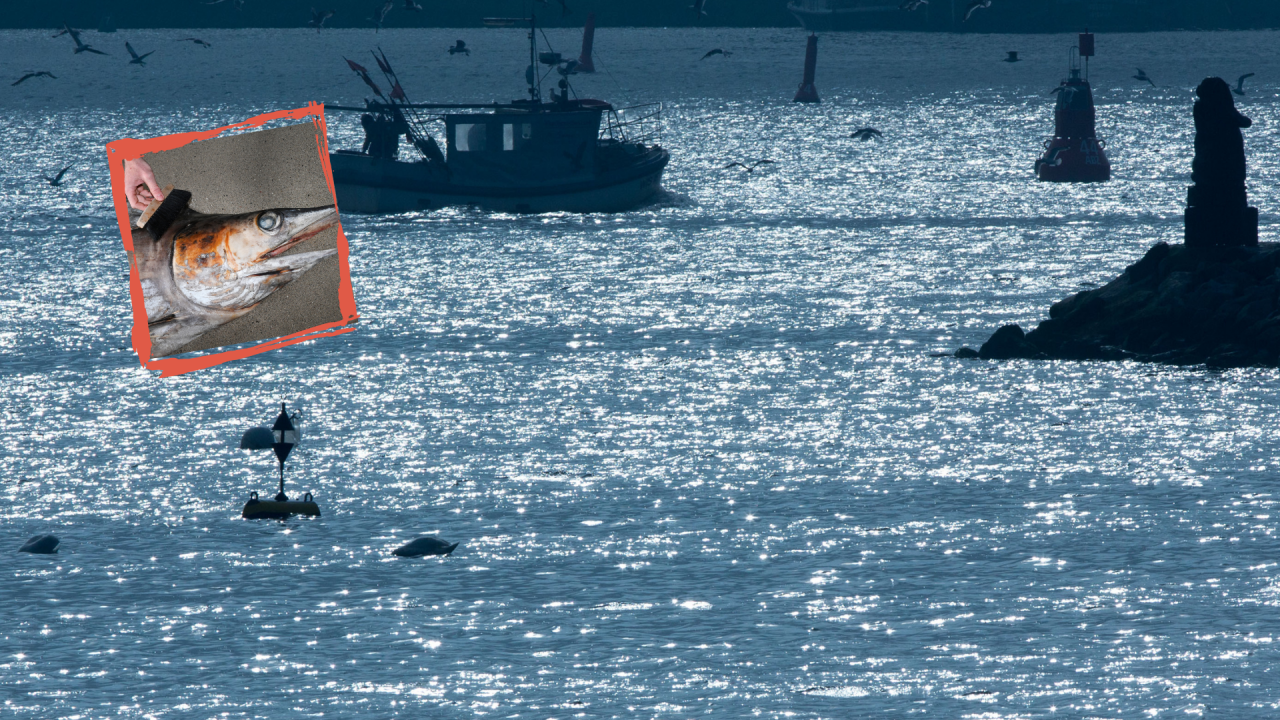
137, 59
716, 51
975, 6
1142, 77
460, 47
42, 73
197, 41
912, 5
866, 134
1239, 88
749, 168
56, 180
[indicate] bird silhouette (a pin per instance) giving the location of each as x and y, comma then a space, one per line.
197, 41
716, 51
1142, 77
912, 5
318, 17
56, 180
1053, 160
1239, 88
975, 6
459, 47
381, 14
239, 4
137, 59
699, 9
411, 5
749, 168
28, 76
866, 134
80, 46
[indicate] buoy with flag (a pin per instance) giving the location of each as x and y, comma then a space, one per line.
588, 40
807, 92
284, 437
1074, 153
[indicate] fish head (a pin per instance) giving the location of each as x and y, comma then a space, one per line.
233, 262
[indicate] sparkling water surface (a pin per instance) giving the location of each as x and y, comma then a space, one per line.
699, 456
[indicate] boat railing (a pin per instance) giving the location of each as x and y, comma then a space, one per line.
638, 124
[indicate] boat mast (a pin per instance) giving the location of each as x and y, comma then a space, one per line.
535, 83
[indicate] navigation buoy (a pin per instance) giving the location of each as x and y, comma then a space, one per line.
807, 92
588, 38
1074, 153
256, 438
284, 436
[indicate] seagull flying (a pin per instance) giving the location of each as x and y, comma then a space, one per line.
318, 17
80, 46
238, 3
56, 180
1239, 88
717, 51
42, 73
912, 5
197, 41
699, 9
411, 5
66, 30
974, 7
381, 13
749, 168
1053, 160
1142, 77
137, 59
1064, 91
460, 47
866, 134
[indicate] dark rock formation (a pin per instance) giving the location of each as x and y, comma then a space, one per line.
1218, 212
1178, 304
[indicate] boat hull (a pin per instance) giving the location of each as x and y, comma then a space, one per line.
371, 185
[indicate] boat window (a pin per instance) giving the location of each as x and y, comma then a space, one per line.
526, 131
508, 137
469, 137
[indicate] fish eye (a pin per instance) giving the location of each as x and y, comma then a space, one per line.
270, 221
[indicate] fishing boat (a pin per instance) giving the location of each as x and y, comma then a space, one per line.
531, 155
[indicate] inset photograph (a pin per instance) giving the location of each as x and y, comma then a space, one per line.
233, 239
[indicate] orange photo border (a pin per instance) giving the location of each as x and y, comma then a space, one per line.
132, 149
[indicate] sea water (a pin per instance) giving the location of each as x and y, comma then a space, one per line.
701, 457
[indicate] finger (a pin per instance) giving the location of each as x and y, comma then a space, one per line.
149, 178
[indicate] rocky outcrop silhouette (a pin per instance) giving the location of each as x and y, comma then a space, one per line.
1180, 305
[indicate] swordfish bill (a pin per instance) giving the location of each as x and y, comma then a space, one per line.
208, 270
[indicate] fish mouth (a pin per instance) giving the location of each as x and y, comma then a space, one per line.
312, 222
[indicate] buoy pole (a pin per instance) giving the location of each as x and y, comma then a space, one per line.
807, 92
588, 39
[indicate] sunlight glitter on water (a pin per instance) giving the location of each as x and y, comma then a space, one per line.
698, 456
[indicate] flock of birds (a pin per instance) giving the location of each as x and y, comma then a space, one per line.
83, 47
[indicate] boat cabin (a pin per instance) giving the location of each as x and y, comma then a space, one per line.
536, 142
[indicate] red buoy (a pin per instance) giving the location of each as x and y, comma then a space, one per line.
1074, 153
588, 37
807, 92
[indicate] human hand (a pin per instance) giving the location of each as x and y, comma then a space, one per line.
140, 186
